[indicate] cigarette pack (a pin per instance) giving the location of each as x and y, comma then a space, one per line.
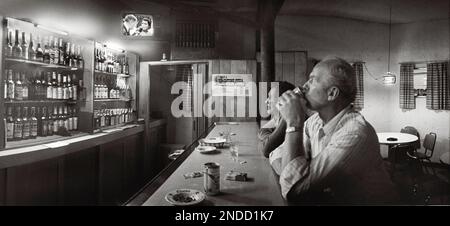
236, 176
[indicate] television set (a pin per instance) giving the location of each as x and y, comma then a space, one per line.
137, 25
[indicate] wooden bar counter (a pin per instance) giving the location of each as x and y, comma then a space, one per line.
262, 188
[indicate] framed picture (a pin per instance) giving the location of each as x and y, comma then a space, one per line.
138, 25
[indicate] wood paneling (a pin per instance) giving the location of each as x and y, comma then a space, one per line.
111, 173
2, 187
291, 66
133, 167
80, 178
233, 108
33, 184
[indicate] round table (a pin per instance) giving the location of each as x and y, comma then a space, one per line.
445, 159
402, 138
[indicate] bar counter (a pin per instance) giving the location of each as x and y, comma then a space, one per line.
262, 188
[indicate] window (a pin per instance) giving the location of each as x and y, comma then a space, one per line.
420, 80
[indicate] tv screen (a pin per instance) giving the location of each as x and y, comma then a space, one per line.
137, 25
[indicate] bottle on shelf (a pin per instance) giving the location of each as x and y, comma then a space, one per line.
46, 56
25, 87
39, 50
36, 93
65, 89
74, 87
80, 57
34, 123
59, 88
24, 47
18, 87
74, 118
43, 123
60, 117
49, 87
9, 125
61, 52
10, 94
18, 125
73, 58
126, 67
66, 118
67, 59
51, 51
54, 86
26, 124
31, 50
9, 44
17, 49
55, 120
55, 51
5, 85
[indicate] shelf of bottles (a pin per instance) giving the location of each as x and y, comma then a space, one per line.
42, 82
112, 89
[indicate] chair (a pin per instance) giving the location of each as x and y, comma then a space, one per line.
400, 150
420, 155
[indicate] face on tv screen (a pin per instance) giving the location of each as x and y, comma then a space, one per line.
137, 25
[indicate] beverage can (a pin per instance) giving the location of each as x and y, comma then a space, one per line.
211, 182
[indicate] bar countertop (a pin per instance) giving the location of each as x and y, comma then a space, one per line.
19, 156
262, 188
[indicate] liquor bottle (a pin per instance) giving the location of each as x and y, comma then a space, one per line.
26, 124
80, 57
39, 50
102, 118
73, 57
10, 94
51, 52
18, 88
46, 56
74, 119
66, 118
51, 121
55, 51
59, 88
34, 123
9, 45
49, 87
55, 120
74, 87
31, 51
9, 125
54, 86
60, 117
67, 54
61, 52
37, 86
44, 123
108, 118
17, 49
127, 67
18, 126
65, 92
24, 47
25, 87
32, 85
69, 88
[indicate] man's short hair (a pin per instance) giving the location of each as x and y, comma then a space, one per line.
342, 74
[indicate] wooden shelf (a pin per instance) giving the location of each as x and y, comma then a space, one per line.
112, 100
39, 101
42, 64
112, 74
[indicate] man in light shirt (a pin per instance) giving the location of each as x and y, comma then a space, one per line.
333, 157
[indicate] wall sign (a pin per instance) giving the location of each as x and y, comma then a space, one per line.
231, 84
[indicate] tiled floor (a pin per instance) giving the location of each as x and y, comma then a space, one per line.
427, 186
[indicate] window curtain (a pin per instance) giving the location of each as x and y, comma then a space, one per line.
407, 99
438, 86
358, 104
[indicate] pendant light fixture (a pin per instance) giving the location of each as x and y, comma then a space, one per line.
389, 77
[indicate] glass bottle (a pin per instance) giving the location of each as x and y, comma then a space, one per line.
31, 51
25, 87
50, 122
18, 91
74, 87
34, 123
59, 88
49, 87
39, 50
54, 86
17, 49
43, 127
9, 125
11, 86
46, 56
18, 125
26, 124
24, 47
9, 44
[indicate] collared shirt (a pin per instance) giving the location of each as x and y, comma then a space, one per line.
342, 156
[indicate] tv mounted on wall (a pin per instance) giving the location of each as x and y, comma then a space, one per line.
137, 25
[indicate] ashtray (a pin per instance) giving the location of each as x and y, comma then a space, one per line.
392, 139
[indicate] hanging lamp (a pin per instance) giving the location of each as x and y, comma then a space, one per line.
389, 78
